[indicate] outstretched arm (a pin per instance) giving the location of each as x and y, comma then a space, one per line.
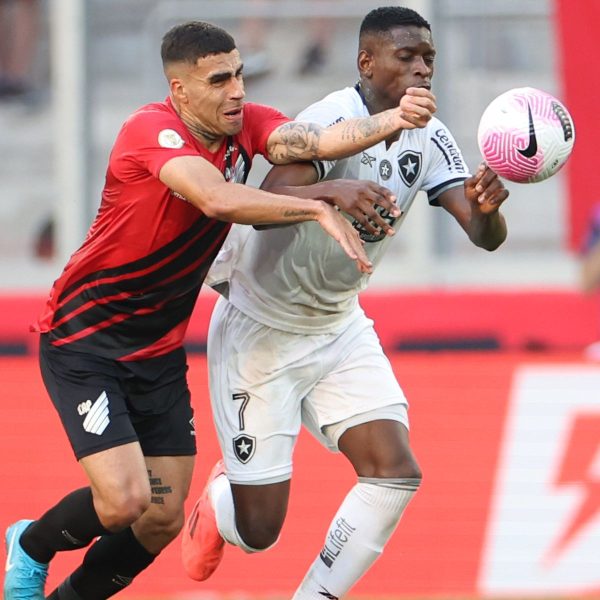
295, 141
200, 183
476, 207
359, 199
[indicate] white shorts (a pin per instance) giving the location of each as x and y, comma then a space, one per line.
264, 383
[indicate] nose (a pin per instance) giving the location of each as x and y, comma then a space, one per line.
236, 88
422, 68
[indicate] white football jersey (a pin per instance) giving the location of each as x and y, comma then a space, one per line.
297, 278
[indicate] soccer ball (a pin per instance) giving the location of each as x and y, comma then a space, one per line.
526, 135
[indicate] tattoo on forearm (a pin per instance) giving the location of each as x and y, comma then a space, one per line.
302, 141
298, 141
158, 490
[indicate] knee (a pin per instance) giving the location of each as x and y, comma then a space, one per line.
165, 524
121, 508
409, 469
402, 467
259, 533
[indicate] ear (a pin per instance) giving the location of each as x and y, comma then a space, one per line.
178, 91
365, 64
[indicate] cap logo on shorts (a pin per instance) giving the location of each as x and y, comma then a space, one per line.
244, 447
97, 414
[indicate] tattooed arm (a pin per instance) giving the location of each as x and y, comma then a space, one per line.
308, 141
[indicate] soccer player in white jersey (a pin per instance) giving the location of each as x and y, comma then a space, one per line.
291, 344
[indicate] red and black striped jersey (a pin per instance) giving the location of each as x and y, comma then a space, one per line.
128, 292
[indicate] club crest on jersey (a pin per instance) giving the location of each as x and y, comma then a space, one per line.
244, 447
409, 166
385, 169
169, 138
237, 173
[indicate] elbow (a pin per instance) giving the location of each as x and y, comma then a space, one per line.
491, 246
213, 204
213, 211
490, 243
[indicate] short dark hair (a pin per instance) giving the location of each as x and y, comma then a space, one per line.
381, 20
190, 41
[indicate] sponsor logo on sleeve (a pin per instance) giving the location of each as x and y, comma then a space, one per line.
450, 152
169, 138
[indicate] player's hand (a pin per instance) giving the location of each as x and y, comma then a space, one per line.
340, 229
485, 190
365, 201
417, 107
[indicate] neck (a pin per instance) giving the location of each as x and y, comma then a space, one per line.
210, 140
374, 107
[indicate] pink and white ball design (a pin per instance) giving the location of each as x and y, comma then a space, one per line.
526, 135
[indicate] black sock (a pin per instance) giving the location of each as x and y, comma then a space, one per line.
71, 524
108, 566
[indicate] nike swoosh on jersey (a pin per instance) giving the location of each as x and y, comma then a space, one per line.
532, 148
11, 545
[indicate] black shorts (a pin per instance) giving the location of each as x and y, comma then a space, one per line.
104, 403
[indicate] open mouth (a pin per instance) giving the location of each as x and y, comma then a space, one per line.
233, 113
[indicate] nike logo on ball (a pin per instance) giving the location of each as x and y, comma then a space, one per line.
531, 149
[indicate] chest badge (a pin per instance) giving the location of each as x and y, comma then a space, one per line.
385, 169
409, 166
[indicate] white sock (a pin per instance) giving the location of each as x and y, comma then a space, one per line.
360, 529
222, 502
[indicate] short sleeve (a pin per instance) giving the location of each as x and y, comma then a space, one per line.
147, 140
326, 113
447, 168
260, 122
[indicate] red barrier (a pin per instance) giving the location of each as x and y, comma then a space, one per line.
432, 319
500, 508
577, 36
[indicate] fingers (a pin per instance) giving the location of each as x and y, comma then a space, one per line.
417, 106
384, 198
346, 236
373, 206
374, 223
355, 249
489, 186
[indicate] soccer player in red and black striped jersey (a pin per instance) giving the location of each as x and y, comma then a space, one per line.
112, 330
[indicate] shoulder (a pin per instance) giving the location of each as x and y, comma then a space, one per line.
435, 135
335, 107
155, 112
154, 121
435, 128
